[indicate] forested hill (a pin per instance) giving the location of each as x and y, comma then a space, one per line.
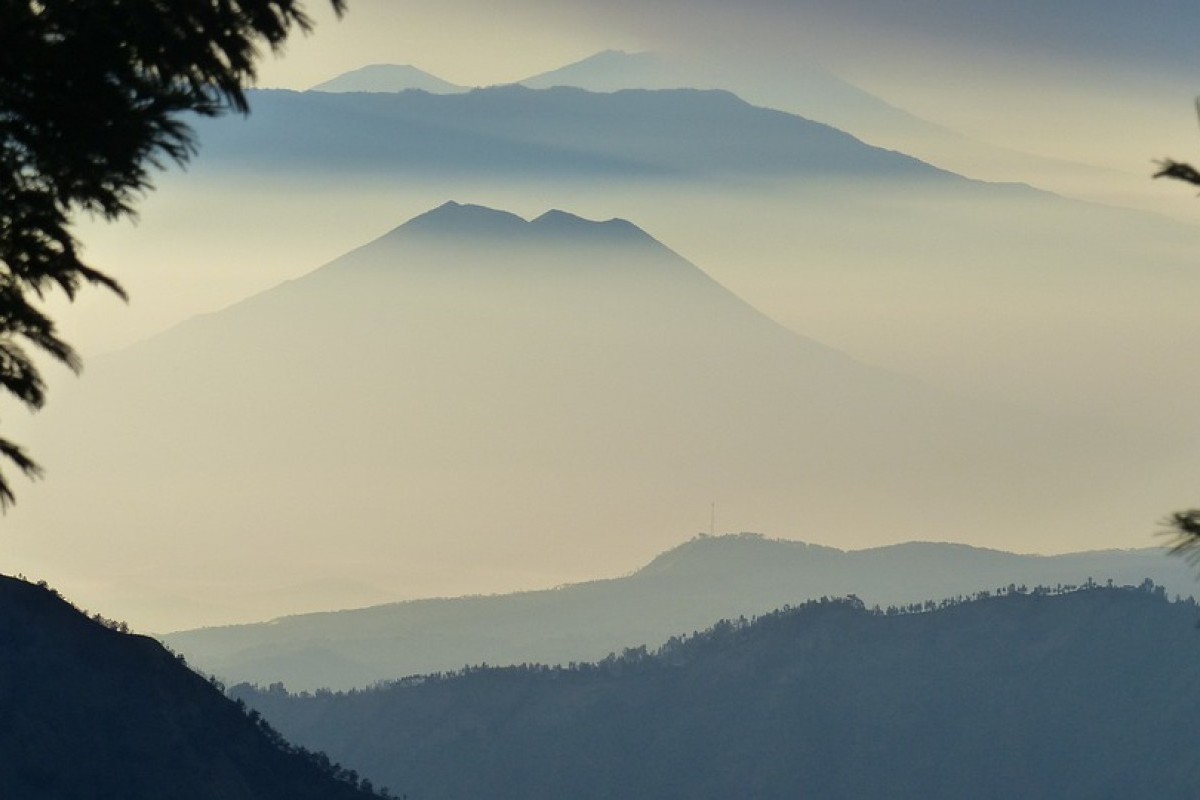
89, 711
1089, 694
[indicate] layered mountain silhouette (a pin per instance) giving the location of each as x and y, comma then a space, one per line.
810, 90
1087, 694
817, 94
478, 384
1118, 37
829, 235
558, 133
387, 78
684, 589
91, 712
614, 70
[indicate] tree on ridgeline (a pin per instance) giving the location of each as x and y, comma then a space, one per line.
93, 97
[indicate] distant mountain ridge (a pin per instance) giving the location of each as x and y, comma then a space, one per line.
387, 78
453, 219
811, 92
550, 132
684, 589
614, 70
815, 93
1086, 694
91, 712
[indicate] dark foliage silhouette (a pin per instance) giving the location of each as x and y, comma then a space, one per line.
93, 96
1179, 170
1184, 526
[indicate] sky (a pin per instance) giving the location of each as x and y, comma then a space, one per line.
1096, 89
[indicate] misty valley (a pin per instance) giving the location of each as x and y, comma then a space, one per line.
679, 423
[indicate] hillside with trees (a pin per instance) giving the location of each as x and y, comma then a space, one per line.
1076, 693
92, 711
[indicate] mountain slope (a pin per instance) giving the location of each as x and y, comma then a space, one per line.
686, 588
93, 713
1086, 694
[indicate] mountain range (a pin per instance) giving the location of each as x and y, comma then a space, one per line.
954, 281
815, 93
881, 255
685, 589
478, 383
558, 133
810, 91
1085, 694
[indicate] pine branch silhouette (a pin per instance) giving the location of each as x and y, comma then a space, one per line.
1178, 170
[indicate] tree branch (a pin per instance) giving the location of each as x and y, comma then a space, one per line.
1179, 171
1184, 528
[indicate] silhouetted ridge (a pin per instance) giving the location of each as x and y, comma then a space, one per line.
457, 219
464, 225
610, 70
91, 712
727, 555
527, 134
612, 231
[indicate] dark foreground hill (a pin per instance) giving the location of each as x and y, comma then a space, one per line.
1089, 694
87, 711
686, 588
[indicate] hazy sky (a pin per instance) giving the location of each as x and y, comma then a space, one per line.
1107, 84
